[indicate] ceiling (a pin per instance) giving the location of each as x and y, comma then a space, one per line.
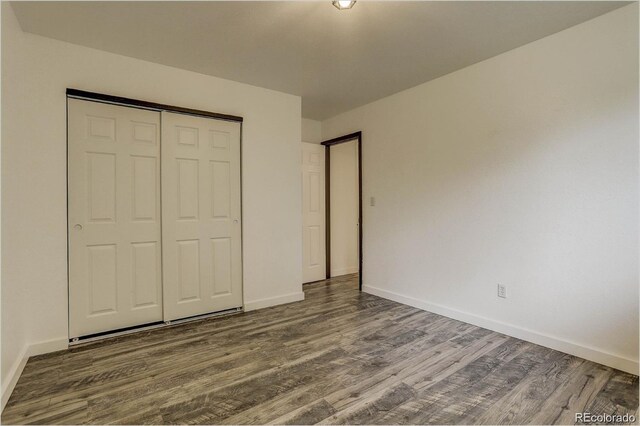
336, 60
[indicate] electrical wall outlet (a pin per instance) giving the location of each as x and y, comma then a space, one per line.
372, 201
502, 291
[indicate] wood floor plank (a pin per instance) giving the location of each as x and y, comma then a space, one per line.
573, 395
526, 398
448, 397
339, 357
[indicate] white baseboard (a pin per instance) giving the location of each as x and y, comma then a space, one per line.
13, 375
572, 348
273, 301
343, 271
29, 351
48, 346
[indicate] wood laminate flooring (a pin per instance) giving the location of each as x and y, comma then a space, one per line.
339, 356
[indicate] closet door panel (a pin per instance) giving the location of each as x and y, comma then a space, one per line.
114, 217
201, 230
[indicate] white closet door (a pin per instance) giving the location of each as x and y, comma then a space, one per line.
201, 232
115, 276
313, 213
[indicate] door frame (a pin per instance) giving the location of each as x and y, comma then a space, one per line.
356, 136
153, 106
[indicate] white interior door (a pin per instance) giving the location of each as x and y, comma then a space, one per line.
201, 230
115, 276
313, 213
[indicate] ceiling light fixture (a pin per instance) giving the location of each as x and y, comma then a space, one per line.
343, 4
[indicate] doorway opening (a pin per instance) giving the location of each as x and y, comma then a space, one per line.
343, 205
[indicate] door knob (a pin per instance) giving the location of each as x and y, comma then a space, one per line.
235, 220
77, 227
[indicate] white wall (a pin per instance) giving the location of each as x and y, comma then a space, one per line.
13, 317
344, 208
520, 170
311, 131
36, 72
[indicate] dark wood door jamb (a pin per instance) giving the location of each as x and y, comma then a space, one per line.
328, 144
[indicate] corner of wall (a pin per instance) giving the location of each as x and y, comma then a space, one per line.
13, 375
28, 351
311, 131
